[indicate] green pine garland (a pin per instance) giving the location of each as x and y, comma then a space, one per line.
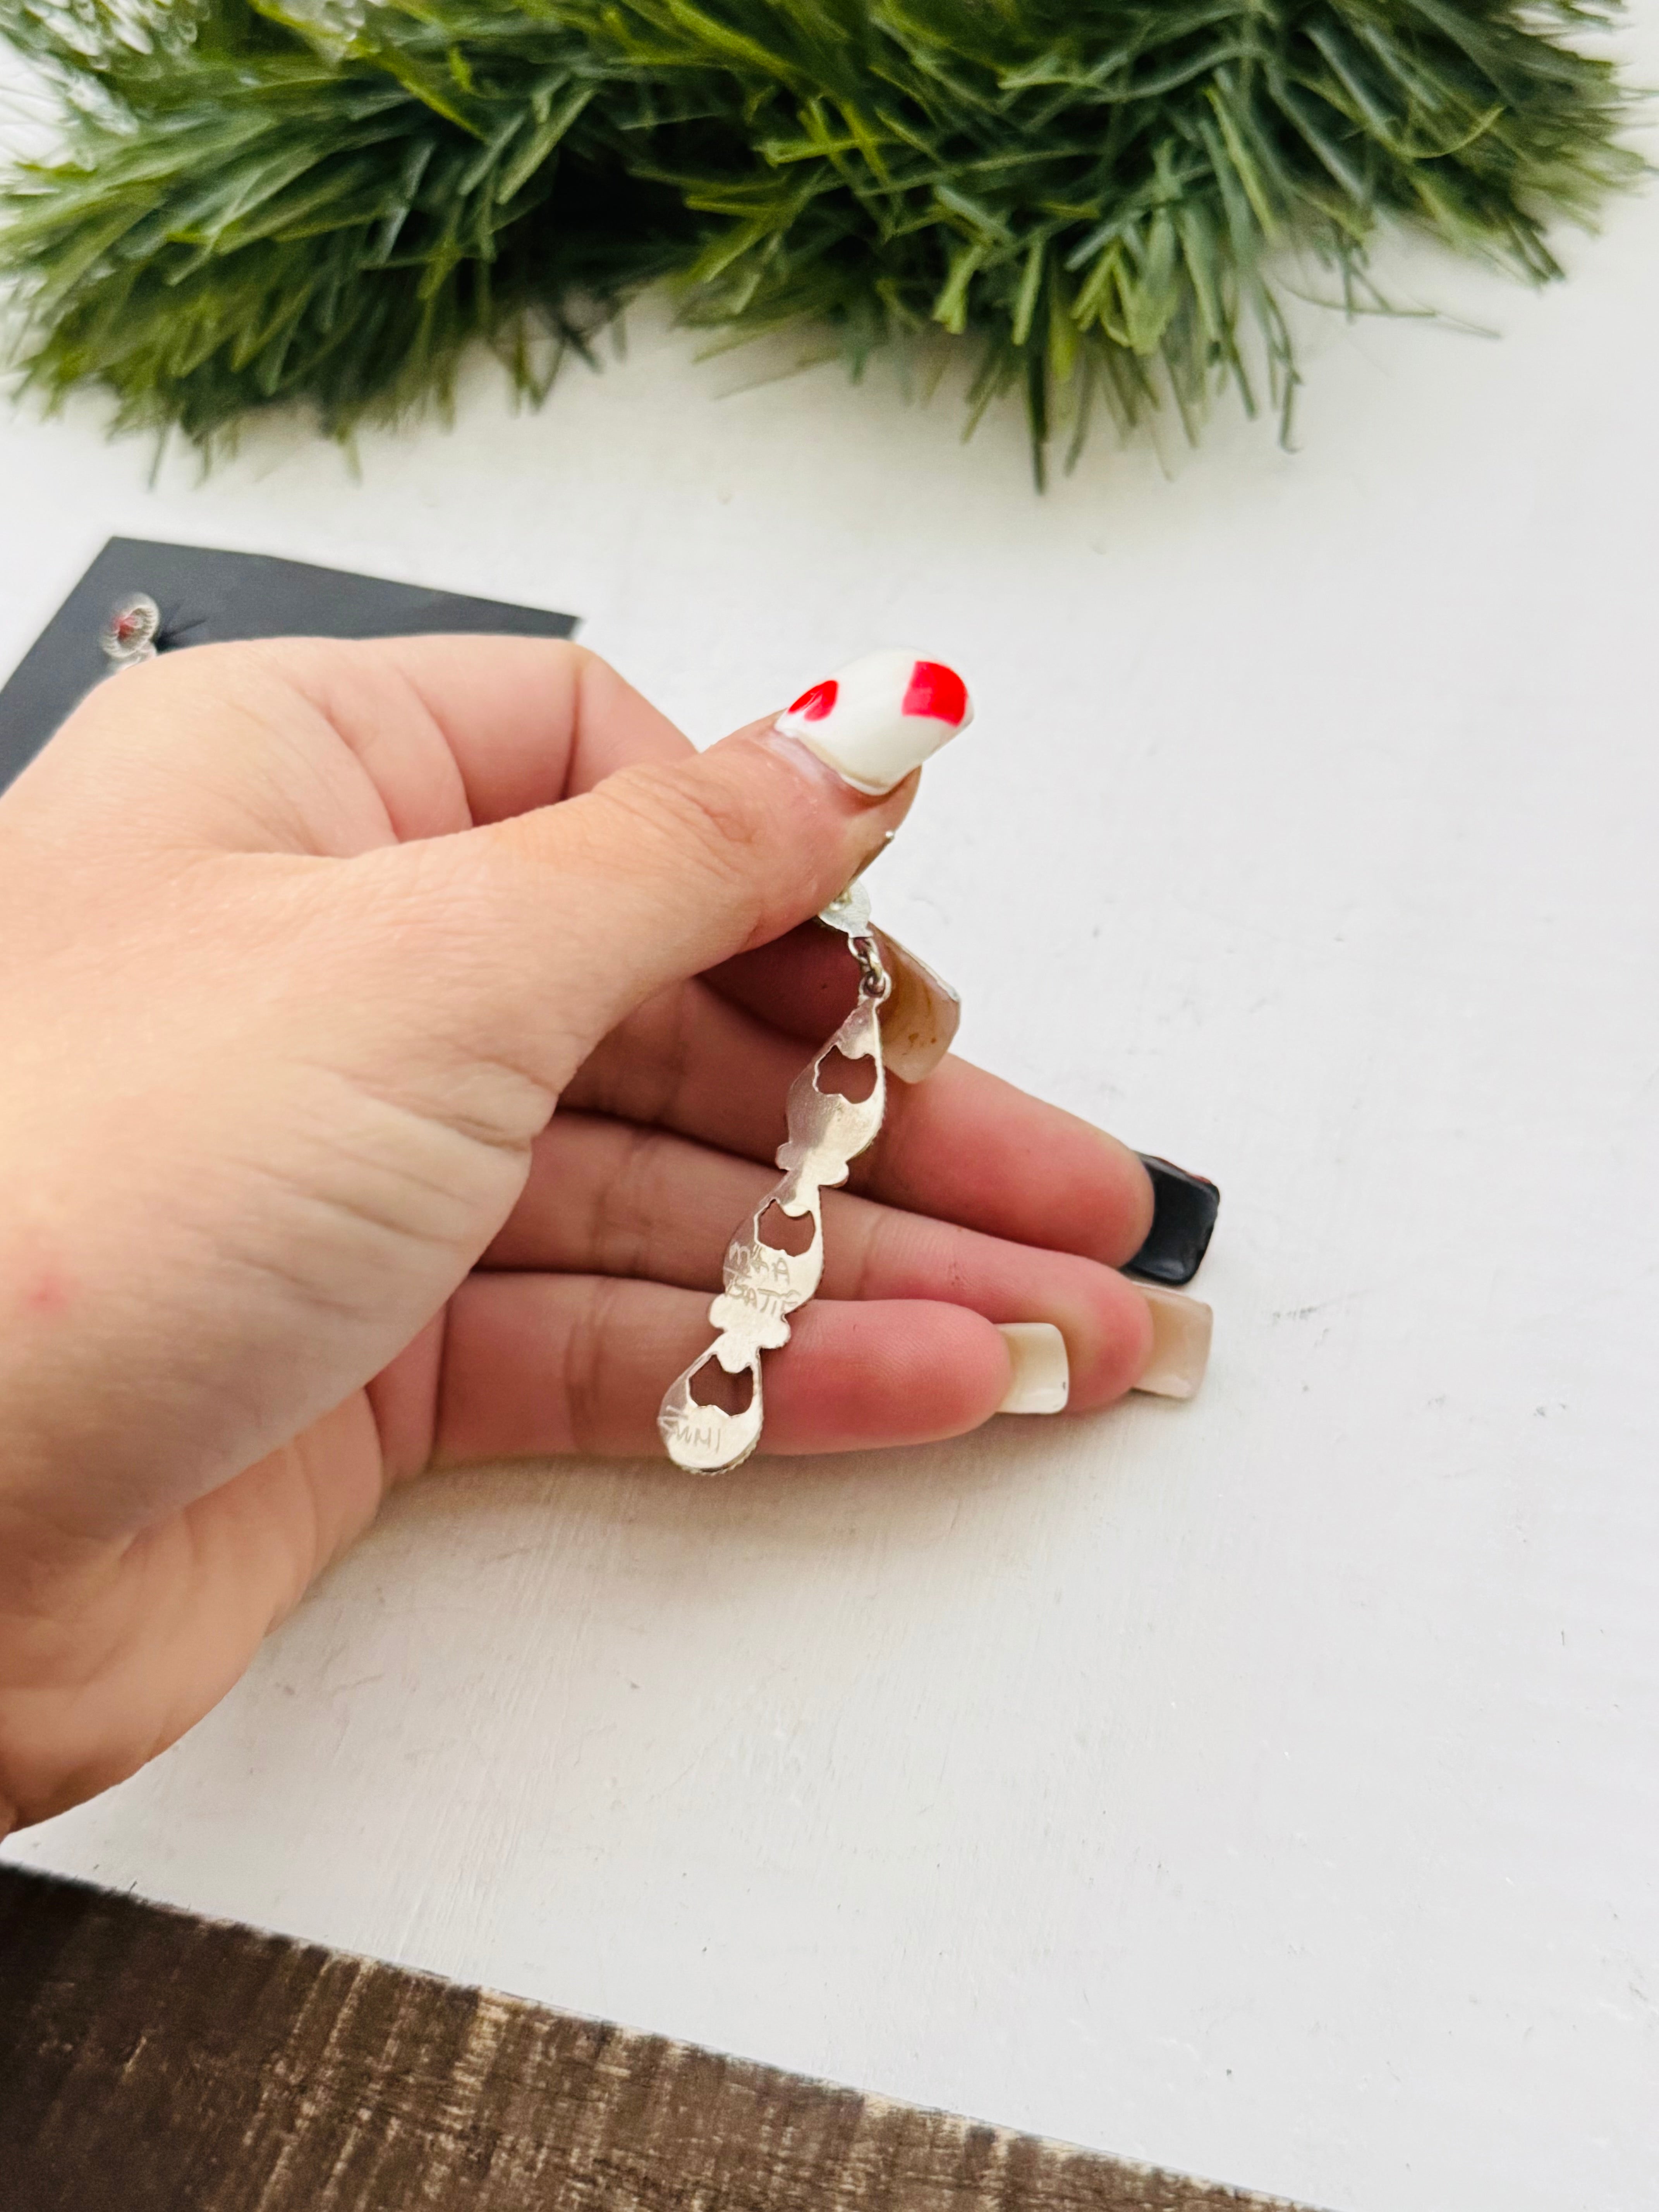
258, 206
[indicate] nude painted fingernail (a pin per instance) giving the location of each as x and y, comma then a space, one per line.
874, 721
1181, 1329
919, 1015
1042, 1373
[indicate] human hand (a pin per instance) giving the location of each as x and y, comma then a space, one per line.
300, 945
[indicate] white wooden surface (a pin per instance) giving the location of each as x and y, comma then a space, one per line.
1270, 1787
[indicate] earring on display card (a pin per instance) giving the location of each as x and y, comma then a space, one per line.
131, 635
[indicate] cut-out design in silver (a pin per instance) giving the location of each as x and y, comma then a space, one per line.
764, 1284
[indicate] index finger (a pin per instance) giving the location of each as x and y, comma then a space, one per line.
526, 722
331, 745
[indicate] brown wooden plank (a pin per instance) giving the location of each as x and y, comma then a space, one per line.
153, 2062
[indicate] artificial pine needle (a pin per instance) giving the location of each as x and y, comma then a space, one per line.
326, 203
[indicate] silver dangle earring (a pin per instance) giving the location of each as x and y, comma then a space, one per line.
873, 723
765, 1282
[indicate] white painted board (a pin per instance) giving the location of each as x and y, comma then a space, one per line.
1269, 1787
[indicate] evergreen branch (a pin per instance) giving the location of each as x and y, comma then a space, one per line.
326, 202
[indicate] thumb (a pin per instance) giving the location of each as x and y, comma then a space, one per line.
667, 868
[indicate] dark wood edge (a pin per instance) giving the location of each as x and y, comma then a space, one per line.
159, 2063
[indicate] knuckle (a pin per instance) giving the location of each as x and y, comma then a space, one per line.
865, 1239
630, 1203
586, 1367
597, 681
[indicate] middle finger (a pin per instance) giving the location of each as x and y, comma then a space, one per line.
963, 1146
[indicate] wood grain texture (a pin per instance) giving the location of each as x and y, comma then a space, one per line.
166, 2064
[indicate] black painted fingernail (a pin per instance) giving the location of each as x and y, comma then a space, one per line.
1184, 1208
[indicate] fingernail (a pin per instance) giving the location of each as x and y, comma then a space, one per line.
919, 1015
1181, 1343
1042, 1376
1184, 1208
874, 721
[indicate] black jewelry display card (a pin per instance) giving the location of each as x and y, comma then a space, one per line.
208, 597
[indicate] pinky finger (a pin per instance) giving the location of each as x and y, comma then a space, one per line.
540, 1365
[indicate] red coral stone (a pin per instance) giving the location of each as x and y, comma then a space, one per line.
937, 692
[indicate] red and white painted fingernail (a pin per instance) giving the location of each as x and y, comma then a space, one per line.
876, 721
